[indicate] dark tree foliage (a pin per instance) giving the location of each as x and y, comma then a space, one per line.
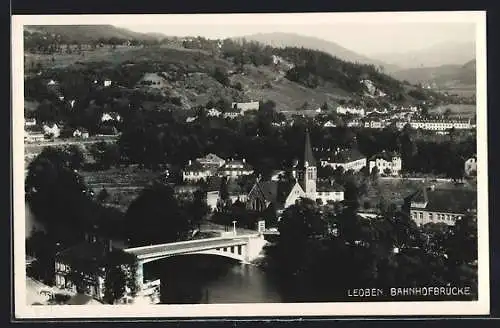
156, 217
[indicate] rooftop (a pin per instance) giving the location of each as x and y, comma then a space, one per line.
343, 156
456, 200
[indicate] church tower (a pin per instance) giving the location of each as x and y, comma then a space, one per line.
310, 172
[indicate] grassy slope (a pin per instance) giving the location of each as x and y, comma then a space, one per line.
197, 89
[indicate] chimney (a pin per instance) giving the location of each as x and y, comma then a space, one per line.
190, 162
244, 160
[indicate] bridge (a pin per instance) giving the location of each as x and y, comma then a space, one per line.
238, 247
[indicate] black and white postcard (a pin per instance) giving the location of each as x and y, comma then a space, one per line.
240, 165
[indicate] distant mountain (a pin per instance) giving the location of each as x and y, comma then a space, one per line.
448, 53
281, 40
87, 33
443, 76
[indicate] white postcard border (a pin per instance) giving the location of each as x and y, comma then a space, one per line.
24, 311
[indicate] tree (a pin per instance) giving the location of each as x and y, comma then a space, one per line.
103, 195
75, 156
56, 195
198, 208
156, 217
105, 154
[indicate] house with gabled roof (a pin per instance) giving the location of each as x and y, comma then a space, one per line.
388, 163
433, 205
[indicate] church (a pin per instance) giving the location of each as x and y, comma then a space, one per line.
302, 184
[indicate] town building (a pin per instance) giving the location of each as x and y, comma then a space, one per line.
470, 166
195, 171
29, 122
432, 205
87, 260
111, 116
214, 112
348, 159
441, 125
232, 113
235, 168
387, 163
246, 106
350, 110
81, 133
52, 131
153, 80
354, 123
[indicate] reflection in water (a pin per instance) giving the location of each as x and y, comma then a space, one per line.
211, 279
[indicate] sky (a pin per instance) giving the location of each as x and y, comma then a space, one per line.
365, 36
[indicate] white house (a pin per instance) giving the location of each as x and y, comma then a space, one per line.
246, 106
107, 82
52, 131
386, 163
470, 166
214, 112
111, 116
350, 110
232, 113
195, 171
441, 125
81, 133
329, 124
30, 122
235, 168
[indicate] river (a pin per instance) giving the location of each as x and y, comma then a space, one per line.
205, 279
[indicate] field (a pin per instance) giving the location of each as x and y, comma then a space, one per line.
122, 184
463, 110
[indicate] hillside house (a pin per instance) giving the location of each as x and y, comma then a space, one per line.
441, 125
153, 80
214, 112
246, 106
432, 205
212, 160
111, 117
195, 171
235, 168
386, 163
191, 119
348, 159
350, 110
232, 113
29, 122
52, 131
107, 82
470, 166
81, 133
329, 124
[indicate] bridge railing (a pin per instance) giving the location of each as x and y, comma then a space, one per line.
188, 242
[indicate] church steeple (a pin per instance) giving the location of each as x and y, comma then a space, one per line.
310, 169
308, 153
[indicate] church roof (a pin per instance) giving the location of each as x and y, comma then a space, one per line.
308, 153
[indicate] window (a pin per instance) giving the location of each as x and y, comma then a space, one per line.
431, 216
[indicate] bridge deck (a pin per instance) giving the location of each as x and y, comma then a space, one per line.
179, 248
